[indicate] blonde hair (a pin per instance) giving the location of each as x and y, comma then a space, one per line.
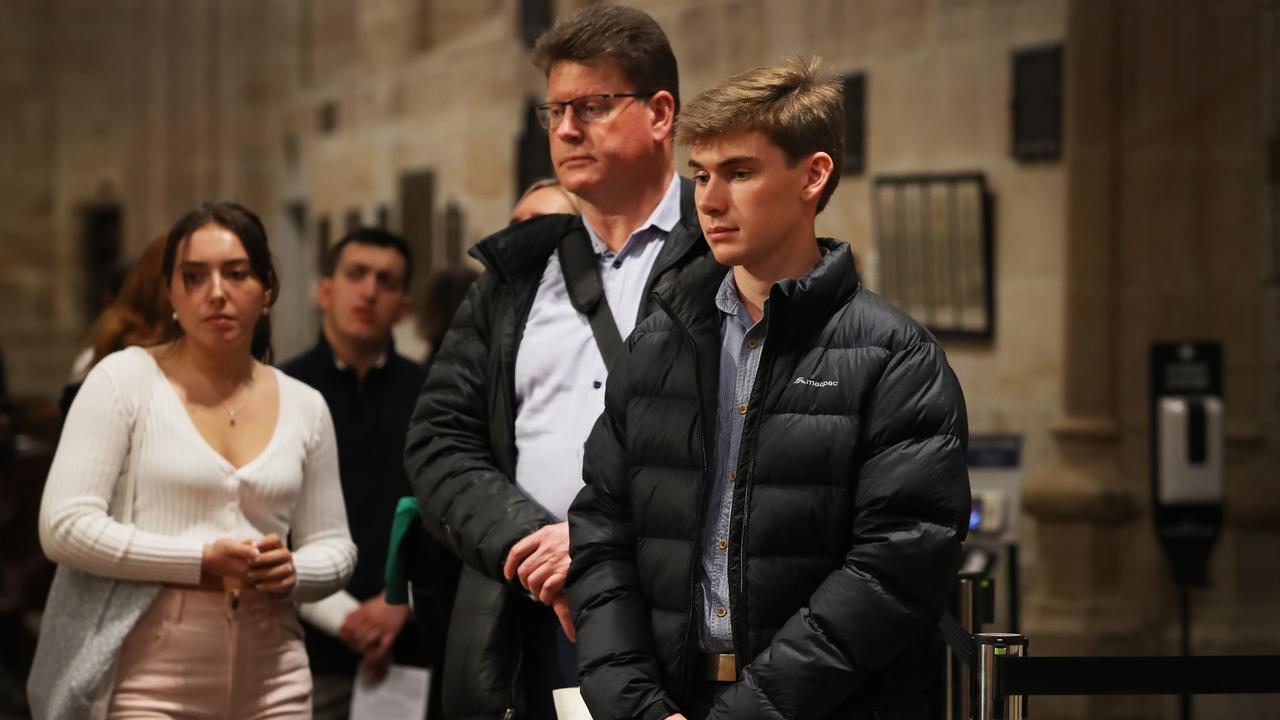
552, 183
795, 104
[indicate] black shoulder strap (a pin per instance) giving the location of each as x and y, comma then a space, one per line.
586, 290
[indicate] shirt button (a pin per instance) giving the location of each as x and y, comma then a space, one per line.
596, 384
723, 544
617, 264
733, 475
742, 409
752, 343
721, 612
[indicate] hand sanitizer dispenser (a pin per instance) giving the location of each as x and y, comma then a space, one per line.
1187, 485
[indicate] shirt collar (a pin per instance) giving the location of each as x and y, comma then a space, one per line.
382, 362
663, 218
342, 366
730, 302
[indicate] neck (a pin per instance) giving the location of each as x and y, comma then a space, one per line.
614, 215
224, 369
358, 355
791, 260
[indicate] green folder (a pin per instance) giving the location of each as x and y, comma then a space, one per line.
397, 577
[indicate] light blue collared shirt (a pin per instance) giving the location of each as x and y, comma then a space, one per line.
741, 345
560, 375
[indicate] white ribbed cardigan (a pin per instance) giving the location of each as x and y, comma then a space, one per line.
187, 494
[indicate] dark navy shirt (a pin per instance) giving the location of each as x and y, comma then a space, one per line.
370, 418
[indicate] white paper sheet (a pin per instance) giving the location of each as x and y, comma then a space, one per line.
401, 694
569, 705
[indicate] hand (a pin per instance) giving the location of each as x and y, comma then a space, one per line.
677, 716
376, 664
227, 560
541, 560
563, 614
273, 570
374, 626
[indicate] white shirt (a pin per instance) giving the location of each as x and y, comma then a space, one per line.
187, 494
560, 375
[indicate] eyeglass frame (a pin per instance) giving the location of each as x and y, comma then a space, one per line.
546, 107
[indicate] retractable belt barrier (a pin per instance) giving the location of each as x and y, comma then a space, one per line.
1004, 676
1197, 675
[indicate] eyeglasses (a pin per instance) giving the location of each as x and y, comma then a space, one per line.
588, 108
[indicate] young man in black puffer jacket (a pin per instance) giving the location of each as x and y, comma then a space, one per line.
776, 492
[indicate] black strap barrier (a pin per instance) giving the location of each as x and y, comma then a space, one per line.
960, 642
1196, 675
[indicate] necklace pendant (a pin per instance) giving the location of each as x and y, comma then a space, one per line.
233, 419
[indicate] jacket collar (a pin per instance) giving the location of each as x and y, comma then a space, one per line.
522, 249
795, 305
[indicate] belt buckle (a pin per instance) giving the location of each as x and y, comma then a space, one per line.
721, 667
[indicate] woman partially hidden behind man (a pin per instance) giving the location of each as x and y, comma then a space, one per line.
181, 470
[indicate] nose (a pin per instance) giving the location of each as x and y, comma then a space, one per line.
369, 286
709, 198
569, 130
216, 291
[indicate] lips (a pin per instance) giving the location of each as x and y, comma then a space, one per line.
364, 314
720, 232
219, 319
576, 160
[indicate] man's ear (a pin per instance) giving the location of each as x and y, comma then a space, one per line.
662, 114
324, 293
818, 171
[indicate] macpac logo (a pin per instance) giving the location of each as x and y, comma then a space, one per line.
815, 383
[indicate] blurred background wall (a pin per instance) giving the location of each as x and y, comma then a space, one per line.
1126, 154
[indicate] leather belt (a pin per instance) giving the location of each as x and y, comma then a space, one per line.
720, 667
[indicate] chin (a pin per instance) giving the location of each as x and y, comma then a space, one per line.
579, 181
727, 255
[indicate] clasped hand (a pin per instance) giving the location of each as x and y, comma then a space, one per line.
541, 561
265, 565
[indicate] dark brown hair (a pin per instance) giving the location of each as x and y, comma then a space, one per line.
140, 313
246, 226
623, 35
796, 105
377, 237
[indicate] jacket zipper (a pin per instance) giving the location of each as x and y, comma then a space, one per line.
739, 608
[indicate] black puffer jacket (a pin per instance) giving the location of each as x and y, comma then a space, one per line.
461, 456
849, 507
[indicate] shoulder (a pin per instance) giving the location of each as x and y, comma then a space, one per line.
129, 368
523, 248
298, 366
405, 370
871, 320
299, 398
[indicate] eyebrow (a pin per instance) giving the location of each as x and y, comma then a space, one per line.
197, 264
735, 160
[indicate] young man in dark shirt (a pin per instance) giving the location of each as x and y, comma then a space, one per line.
370, 391
776, 491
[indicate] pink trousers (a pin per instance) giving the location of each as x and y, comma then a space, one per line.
201, 654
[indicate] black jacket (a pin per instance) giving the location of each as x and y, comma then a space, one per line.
849, 506
461, 453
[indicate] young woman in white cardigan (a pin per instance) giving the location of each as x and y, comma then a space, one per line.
228, 458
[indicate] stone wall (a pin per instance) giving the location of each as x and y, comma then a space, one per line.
1158, 222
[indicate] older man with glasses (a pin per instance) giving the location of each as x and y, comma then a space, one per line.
494, 451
